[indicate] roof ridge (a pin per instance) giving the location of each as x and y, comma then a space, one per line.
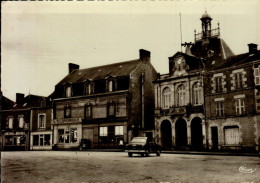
100, 66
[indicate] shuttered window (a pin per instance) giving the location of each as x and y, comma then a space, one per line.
231, 135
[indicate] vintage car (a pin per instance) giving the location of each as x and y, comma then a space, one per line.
141, 145
84, 144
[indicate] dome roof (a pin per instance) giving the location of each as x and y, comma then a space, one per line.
206, 15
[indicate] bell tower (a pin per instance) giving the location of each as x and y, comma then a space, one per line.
206, 25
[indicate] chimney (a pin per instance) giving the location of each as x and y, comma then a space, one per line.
144, 55
19, 98
252, 48
73, 67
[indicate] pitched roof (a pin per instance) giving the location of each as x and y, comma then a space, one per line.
30, 101
238, 60
7, 103
101, 72
219, 46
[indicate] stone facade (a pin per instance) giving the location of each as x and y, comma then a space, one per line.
109, 105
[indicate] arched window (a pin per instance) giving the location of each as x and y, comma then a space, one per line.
197, 94
181, 95
166, 97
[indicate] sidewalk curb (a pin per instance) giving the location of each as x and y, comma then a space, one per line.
184, 152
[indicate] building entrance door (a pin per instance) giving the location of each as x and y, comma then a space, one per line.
196, 134
214, 137
181, 133
166, 134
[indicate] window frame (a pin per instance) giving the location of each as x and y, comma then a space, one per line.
68, 94
103, 131
44, 121
240, 106
166, 97
257, 76
12, 122
238, 80
220, 109
181, 94
197, 94
219, 83
65, 112
119, 130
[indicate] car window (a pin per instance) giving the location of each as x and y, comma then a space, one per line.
138, 140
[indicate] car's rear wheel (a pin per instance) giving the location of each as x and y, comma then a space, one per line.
148, 153
130, 154
158, 153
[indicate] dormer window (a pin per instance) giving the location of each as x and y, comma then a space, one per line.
88, 88
68, 91
110, 86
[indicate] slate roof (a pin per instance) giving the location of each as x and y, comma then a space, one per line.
238, 60
30, 101
7, 103
219, 46
101, 72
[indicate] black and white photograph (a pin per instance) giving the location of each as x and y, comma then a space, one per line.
130, 91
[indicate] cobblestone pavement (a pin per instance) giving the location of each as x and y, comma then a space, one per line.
72, 166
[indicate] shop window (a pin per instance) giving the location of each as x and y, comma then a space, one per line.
21, 121
47, 140
240, 106
231, 135
61, 135
41, 140
166, 97
41, 120
197, 94
73, 135
36, 140
8, 140
103, 134
119, 130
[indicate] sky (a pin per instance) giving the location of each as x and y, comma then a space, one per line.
39, 39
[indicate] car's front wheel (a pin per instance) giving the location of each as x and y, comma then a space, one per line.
158, 153
130, 154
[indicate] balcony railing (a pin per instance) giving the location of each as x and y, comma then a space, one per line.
180, 110
212, 33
